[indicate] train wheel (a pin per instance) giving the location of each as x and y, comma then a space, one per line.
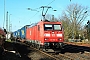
42, 48
35, 45
38, 46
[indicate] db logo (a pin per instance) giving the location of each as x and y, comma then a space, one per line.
53, 34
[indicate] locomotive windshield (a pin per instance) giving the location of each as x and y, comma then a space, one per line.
57, 27
52, 27
48, 27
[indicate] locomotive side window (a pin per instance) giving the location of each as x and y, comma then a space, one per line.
48, 27
38, 28
57, 27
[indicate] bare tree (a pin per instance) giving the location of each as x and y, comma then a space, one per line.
72, 19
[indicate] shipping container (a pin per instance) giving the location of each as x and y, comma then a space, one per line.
18, 33
23, 31
15, 34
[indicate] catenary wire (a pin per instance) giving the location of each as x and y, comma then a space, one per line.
41, 9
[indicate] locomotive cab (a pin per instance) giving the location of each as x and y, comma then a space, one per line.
52, 35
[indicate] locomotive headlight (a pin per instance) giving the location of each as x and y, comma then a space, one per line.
59, 39
46, 39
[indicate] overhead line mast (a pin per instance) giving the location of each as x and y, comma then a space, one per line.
4, 15
7, 23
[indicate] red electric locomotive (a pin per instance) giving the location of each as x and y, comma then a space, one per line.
46, 35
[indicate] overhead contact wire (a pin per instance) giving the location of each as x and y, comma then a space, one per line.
41, 9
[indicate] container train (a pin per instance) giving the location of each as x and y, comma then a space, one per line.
43, 35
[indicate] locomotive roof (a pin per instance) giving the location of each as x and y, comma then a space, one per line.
26, 25
33, 24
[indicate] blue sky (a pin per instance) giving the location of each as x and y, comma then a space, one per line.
20, 16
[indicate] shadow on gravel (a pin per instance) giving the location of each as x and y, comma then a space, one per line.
21, 51
75, 49
47, 58
12, 56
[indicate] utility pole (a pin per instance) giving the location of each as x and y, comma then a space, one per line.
4, 14
11, 27
7, 23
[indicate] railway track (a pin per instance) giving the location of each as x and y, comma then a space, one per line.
79, 43
68, 53
76, 54
70, 56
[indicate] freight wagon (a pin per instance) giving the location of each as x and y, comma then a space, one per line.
20, 33
14, 34
23, 31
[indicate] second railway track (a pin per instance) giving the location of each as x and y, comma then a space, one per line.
71, 52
